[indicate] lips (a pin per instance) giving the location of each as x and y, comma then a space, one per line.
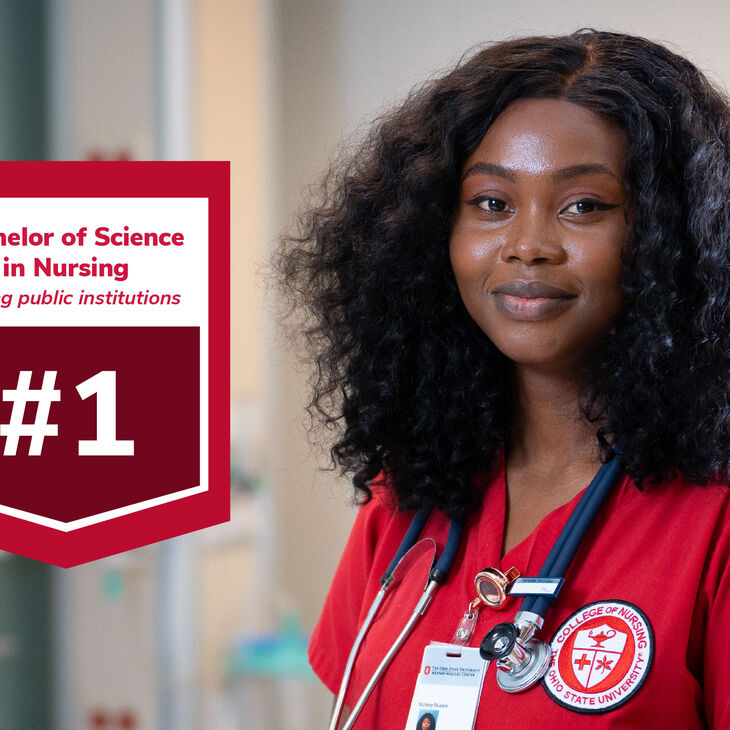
531, 300
531, 290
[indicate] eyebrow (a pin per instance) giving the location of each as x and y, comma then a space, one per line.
588, 168
566, 173
489, 168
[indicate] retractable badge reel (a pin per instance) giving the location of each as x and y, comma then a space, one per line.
521, 659
492, 587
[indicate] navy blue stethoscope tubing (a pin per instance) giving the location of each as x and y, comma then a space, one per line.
563, 551
409, 539
453, 541
440, 571
560, 556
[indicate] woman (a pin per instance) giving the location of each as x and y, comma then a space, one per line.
524, 268
426, 722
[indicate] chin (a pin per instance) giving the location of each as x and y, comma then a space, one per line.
538, 353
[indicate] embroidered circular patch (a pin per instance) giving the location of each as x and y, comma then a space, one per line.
600, 657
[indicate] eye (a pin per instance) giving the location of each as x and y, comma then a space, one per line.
586, 206
491, 205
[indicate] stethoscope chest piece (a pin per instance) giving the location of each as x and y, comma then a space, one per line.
522, 660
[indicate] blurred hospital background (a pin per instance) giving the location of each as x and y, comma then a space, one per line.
208, 631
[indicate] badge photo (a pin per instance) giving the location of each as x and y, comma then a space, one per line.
601, 656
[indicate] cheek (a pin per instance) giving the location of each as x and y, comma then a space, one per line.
472, 257
469, 274
605, 298
599, 266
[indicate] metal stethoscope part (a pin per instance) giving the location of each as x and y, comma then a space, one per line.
522, 659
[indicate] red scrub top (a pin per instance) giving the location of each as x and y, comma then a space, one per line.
650, 584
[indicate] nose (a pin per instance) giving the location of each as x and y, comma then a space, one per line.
533, 239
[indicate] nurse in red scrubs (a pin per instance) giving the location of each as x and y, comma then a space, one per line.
524, 265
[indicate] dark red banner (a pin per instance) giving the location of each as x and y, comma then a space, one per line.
114, 407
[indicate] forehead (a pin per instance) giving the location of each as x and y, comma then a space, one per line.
540, 135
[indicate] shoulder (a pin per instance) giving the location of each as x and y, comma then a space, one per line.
678, 499
678, 513
377, 534
686, 528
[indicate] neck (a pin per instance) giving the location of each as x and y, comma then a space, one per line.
548, 427
551, 454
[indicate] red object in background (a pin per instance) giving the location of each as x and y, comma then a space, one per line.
100, 719
97, 155
127, 720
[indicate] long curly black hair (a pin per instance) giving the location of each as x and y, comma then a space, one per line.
414, 388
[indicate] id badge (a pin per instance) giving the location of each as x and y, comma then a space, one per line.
447, 689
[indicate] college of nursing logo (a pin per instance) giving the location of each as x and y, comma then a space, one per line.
600, 657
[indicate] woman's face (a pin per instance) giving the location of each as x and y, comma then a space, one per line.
538, 232
426, 723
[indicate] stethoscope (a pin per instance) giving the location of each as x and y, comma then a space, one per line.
522, 658
409, 552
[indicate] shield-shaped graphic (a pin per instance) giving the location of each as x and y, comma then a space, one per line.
114, 395
596, 653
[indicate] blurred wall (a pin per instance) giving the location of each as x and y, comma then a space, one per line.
231, 81
102, 79
312, 517
25, 585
